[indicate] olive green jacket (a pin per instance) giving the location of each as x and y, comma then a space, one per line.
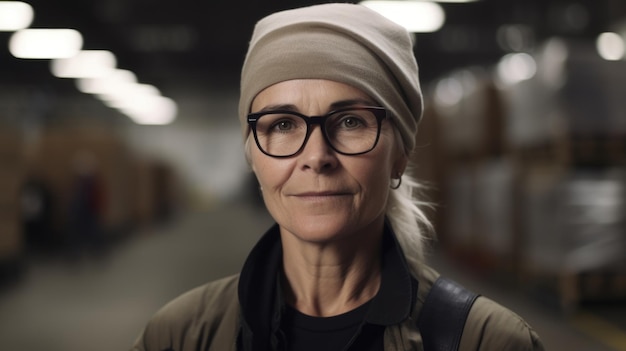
209, 318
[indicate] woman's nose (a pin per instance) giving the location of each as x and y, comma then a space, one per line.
317, 155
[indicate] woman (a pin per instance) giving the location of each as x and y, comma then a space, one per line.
330, 102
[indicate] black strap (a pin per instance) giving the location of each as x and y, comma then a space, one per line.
443, 316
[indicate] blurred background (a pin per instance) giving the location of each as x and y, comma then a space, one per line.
123, 181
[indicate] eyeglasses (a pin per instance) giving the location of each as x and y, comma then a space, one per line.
348, 131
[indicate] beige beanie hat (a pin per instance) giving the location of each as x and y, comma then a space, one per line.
347, 43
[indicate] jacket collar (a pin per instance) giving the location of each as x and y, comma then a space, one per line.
259, 297
261, 301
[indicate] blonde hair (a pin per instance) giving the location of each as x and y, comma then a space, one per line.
409, 221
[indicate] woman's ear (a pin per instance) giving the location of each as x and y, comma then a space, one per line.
400, 165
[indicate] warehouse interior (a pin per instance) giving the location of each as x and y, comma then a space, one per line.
106, 214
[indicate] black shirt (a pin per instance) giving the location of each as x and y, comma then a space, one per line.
308, 333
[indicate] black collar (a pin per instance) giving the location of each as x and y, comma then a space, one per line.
261, 302
398, 289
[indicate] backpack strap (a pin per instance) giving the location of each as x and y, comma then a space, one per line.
443, 315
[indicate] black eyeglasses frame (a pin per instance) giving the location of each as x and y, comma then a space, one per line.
380, 113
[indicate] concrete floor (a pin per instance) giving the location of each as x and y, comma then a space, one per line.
100, 303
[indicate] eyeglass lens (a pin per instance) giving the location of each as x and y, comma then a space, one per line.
348, 131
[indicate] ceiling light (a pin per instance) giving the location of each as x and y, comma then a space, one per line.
514, 68
85, 64
448, 92
152, 110
45, 43
415, 16
128, 95
107, 84
15, 15
610, 46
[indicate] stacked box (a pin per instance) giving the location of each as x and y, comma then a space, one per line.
11, 239
496, 204
593, 220
70, 159
459, 206
471, 148
576, 233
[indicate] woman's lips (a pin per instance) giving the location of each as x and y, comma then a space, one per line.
322, 193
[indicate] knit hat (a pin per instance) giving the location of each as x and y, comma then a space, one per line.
346, 43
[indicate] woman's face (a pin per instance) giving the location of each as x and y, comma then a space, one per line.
319, 195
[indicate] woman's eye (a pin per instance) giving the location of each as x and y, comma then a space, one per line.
350, 122
283, 125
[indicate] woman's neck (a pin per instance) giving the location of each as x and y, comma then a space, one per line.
331, 278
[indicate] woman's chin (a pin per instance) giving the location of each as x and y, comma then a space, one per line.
324, 230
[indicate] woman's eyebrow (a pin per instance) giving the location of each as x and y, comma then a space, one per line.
352, 102
287, 107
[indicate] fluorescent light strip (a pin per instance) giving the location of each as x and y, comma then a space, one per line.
45, 43
85, 64
15, 15
415, 16
94, 69
107, 84
152, 110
